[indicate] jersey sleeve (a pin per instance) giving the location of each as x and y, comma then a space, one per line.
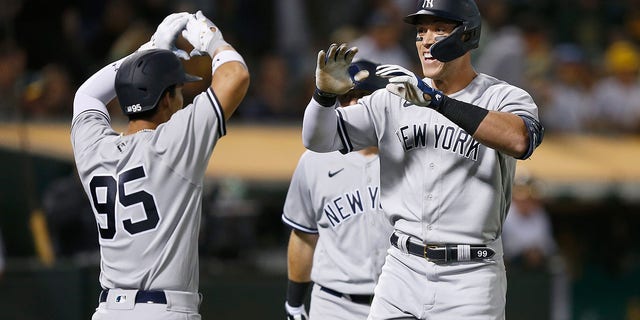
298, 211
519, 102
187, 140
91, 121
88, 128
359, 125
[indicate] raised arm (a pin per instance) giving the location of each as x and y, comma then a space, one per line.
505, 132
512, 134
319, 127
97, 91
229, 73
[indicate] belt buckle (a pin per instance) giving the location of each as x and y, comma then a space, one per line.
426, 248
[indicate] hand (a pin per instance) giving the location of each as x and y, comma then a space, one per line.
408, 86
167, 33
295, 313
203, 35
332, 75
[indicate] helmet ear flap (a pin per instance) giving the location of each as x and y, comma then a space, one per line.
455, 44
450, 47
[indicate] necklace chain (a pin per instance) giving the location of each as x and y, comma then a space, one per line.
141, 130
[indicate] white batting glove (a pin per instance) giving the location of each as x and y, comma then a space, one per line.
295, 313
204, 35
167, 33
332, 75
407, 85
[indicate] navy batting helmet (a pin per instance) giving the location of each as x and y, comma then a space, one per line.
370, 83
144, 76
464, 37
365, 86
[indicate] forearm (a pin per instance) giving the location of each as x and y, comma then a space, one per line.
230, 79
320, 128
505, 132
502, 131
299, 263
300, 256
97, 91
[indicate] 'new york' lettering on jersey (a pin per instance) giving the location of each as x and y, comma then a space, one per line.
418, 145
445, 137
338, 197
350, 204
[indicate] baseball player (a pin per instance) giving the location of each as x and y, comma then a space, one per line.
448, 145
145, 184
333, 207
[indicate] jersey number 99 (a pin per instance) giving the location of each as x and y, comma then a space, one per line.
107, 207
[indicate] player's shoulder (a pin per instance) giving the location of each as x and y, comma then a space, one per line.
496, 89
90, 123
319, 158
485, 82
90, 116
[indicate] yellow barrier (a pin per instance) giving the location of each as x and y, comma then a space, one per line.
261, 152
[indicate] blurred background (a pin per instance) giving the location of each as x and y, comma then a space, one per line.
571, 242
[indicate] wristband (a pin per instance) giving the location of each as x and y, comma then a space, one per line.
296, 292
225, 56
325, 99
465, 115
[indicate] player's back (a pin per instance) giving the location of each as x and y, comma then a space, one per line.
146, 195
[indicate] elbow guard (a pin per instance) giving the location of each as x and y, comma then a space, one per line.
535, 130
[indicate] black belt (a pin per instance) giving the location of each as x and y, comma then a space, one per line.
357, 298
445, 252
141, 296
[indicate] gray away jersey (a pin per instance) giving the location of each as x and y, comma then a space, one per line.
146, 191
338, 197
437, 182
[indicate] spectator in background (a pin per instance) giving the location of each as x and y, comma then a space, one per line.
567, 104
13, 61
585, 22
502, 51
116, 17
270, 98
382, 38
518, 53
527, 233
49, 94
70, 218
529, 244
617, 95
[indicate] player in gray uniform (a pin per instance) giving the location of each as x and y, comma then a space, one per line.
145, 184
333, 207
448, 145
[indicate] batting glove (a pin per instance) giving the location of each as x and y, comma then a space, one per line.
332, 75
295, 313
167, 33
204, 35
408, 86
